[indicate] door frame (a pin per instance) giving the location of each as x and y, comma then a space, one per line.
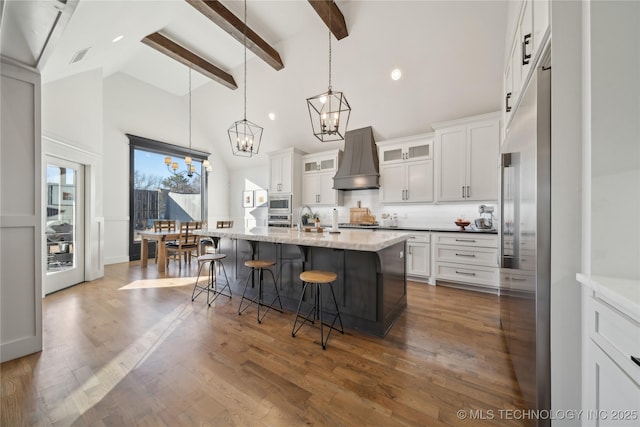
93, 222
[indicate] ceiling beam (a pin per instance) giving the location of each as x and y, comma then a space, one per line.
330, 13
190, 59
221, 16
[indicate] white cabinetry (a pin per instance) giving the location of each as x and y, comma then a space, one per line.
317, 178
419, 255
466, 153
530, 35
467, 258
285, 171
406, 169
612, 340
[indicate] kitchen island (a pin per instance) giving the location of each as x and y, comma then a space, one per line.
371, 286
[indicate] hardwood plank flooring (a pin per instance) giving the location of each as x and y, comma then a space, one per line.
131, 349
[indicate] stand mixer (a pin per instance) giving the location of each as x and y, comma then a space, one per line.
486, 217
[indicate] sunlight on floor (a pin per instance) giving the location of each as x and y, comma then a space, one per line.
169, 282
96, 387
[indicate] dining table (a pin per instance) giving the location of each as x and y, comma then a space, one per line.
160, 237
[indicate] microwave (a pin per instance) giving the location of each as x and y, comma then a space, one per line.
280, 204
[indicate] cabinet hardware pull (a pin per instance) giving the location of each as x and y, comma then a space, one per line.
636, 360
468, 255
468, 191
526, 42
466, 240
412, 237
506, 102
463, 191
517, 279
465, 273
406, 194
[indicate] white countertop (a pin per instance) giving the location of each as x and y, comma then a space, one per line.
624, 294
357, 240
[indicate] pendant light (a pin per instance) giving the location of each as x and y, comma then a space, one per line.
191, 169
245, 136
329, 112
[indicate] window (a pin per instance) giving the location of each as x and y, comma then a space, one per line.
158, 191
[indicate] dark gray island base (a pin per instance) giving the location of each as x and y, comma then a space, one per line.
370, 289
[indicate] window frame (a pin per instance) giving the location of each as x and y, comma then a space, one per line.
167, 149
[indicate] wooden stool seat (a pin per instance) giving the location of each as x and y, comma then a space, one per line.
318, 276
258, 263
211, 257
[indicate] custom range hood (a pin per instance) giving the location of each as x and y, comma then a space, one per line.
359, 167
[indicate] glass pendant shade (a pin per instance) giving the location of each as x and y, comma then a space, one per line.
245, 137
329, 113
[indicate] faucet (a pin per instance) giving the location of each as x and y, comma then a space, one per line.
302, 208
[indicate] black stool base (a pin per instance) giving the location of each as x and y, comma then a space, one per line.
317, 313
212, 283
258, 300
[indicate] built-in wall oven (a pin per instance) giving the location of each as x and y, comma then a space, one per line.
280, 211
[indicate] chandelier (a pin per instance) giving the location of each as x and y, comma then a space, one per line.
191, 169
329, 112
245, 136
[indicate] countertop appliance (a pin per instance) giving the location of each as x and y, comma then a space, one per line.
485, 222
525, 239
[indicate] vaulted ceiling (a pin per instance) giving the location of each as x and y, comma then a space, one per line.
450, 53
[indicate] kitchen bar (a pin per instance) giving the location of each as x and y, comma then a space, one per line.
371, 285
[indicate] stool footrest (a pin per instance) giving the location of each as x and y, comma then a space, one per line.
211, 286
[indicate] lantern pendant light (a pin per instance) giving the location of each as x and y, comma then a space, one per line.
245, 136
329, 112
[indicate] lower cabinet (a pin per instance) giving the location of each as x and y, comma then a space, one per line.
419, 256
612, 378
466, 258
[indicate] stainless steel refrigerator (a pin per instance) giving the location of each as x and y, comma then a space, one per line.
526, 241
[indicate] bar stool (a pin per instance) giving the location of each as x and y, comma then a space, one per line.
261, 266
318, 279
212, 283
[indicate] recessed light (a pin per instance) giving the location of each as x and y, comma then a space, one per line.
117, 39
272, 116
396, 74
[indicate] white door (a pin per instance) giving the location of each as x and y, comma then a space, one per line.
482, 161
451, 165
327, 195
420, 181
310, 189
64, 227
393, 180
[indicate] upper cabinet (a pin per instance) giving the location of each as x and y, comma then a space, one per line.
406, 169
284, 170
530, 35
318, 170
466, 153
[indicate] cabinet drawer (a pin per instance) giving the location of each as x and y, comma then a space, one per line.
474, 275
467, 255
467, 239
615, 333
420, 237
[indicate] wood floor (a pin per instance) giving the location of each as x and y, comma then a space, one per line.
131, 349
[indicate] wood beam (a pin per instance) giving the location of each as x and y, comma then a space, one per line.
190, 59
336, 24
221, 16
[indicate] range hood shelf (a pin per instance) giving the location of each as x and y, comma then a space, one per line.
359, 167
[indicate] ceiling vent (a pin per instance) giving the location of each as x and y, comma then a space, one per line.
79, 55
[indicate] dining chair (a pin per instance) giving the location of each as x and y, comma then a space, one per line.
186, 245
163, 225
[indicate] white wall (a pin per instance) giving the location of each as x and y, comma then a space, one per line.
72, 129
250, 178
134, 107
566, 203
615, 138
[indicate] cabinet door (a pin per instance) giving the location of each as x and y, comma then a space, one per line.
418, 259
482, 161
310, 166
418, 150
392, 155
310, 189
393, 180
287, 173
540, 23
326, 194
516, 70
328, 164
526, 38
276, 174
612, 392
451, 165
419, 181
